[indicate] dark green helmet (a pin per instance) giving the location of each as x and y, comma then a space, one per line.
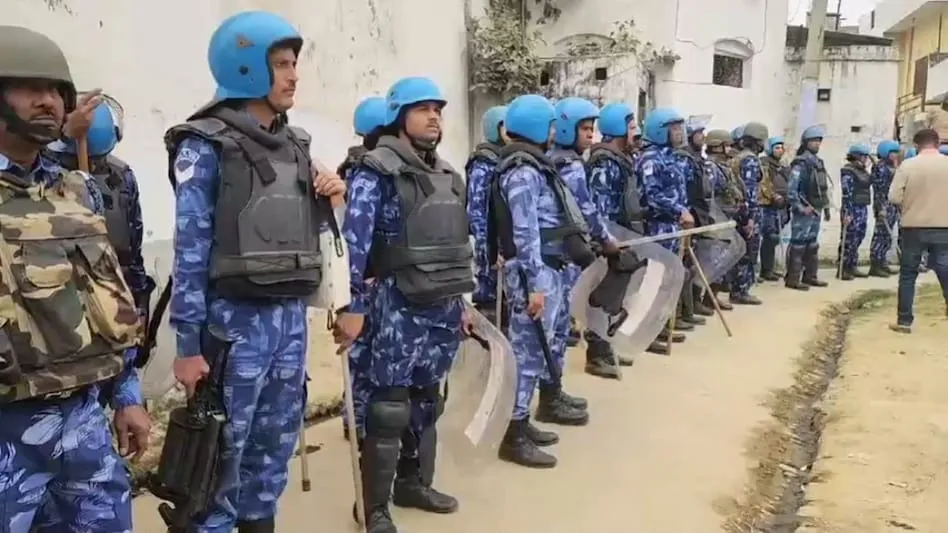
26, 54
756, 131
715, 138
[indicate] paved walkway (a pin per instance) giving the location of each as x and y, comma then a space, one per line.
662, 446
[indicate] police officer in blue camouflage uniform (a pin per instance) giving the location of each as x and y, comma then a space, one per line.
886, 214
367, 121
480, 170
746, 165
575, 128
614, 189
773, 206
242, 177
406, 226
664, 192
856, 184
808, 195
117, 185
538, 229
58, 469
696, 170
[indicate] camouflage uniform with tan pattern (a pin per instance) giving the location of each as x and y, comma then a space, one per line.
64, 305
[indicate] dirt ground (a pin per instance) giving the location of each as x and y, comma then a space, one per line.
664, 451
883, 463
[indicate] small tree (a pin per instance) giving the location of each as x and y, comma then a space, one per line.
503, 53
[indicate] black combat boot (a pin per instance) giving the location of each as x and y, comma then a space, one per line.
688, 306
700, 307
708, 297
745, 299
517, 447
415, 477
795, 268
666, 337
811, 266
540, 437
264, 525
553, 409
657, 348
879, 270
856, 273
599, 358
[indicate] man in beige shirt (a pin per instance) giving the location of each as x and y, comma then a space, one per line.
920, 191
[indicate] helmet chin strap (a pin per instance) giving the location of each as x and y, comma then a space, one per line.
38, 135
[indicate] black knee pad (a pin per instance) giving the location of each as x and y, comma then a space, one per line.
389, 413
430, 394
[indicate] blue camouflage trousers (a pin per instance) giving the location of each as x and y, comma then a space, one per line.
263, 397
744, 272
407, 346
804, 229
881, 234
772, 221
854, 235
658, 227
523, 335
569, 276
56, 457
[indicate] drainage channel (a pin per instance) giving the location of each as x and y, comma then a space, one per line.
785, 448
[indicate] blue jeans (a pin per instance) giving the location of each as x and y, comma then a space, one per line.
916, 242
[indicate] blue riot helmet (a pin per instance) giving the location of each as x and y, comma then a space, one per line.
407, 92
491, 122
813, 133
911, 152
529, 117
943, 149
369, 115
101, 138
614, 119
772, 143
569, 113
859, 149
887, 148
658, 123
239, 53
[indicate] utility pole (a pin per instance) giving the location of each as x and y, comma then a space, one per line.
806, 114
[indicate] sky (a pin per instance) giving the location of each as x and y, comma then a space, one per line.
852, 9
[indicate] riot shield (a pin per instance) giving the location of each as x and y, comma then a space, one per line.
717, 251
647, 302
157, 376
481, 390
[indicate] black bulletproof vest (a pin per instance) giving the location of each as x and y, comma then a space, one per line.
267, 217
500, 223
631, 216
699, 190
816, 182
487, 151
109, 175
431, 256
862, 184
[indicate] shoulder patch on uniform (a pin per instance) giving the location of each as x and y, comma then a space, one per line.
648, 168
184, 164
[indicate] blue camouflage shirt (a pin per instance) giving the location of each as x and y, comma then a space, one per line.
126, 386
751, 174
573, 175
607, 188
800, 179
663, 187
882, 175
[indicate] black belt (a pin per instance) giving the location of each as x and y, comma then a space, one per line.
54, 396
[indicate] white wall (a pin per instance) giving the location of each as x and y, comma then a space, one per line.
691, 28
152, 56
862, 80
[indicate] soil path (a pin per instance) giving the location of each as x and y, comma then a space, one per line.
883, 463
663, 446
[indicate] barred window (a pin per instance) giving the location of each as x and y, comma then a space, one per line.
728, 71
